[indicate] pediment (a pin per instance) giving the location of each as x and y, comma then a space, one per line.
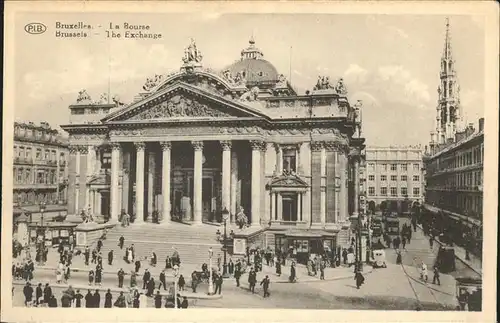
287, 180
183, 102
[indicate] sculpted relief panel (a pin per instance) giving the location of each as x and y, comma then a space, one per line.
180, 107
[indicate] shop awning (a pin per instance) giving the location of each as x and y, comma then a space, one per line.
307, 234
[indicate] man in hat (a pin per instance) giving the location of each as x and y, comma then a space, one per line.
265, 285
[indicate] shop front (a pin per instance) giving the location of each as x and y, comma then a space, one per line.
304, 245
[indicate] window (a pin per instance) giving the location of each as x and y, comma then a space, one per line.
53, 156
383, 178
404, 167
289, 160
383, 191
371, 166
394, 178
416, 191
394, 167
384, 167
371, 177
78, 111
20, 175
38, 154
106, 160
27, 176
47, 155
371, 191
394, 191
416, 178
28, 153
404, 178
404, 191
416, 167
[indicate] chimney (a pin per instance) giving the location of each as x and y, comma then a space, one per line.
481, 124
469, 130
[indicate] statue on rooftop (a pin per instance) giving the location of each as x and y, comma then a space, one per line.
340, 87
192, 54
239, 79
281, 81
226, 74
153, 82
117, 101
251, 95
323, 83
103, 99
83, 96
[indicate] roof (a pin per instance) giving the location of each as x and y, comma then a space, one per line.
457, 144
255, 71
287, 180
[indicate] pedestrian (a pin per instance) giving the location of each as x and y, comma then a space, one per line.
158, 299
237, 275
133, 279
194, 281
78, 298
98, 276
120, 301
96, 299
293, 277
65, 300
121, 276
423, 274
431, 241
89, 300
435, 278
322, 270
110, 257
67, 272
230, 267
137, 266
38, 293
359, 279
136, 301
252, 280
145, 278
265, 285
344, 256
86, 254
218, 284
121, 242
150, 287
184, 303
154, 259
94, 256
399, 259
403, 242
91, 277
59, 273
181, 283
278, 267
47, 293
108, 299
99, 259
52, 301
28, 294
99, 245
163, 281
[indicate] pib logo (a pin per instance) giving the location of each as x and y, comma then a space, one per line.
35, 28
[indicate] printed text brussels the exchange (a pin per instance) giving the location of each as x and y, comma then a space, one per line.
127, 34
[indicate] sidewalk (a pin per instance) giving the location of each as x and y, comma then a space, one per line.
474, 263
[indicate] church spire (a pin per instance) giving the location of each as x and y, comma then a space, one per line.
449, 113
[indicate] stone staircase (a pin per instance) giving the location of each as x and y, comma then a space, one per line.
191, 241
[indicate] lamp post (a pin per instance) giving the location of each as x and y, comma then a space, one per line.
225, 216
210, 282
42, 211
176, 273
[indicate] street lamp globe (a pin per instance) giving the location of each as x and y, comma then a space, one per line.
42, 207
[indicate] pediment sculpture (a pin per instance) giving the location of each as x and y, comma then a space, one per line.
103, 99
251, 95
153, 82
239, 79
83, 96
179, 106
117, 101
226, 74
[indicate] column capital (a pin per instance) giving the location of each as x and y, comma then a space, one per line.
258, 145
333, 146
83, 149
73, 149
115, 146
316, 145
277, 146
197, 145
226, 144
140, 146
166, 145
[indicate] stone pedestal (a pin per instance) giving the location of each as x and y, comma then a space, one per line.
87, 233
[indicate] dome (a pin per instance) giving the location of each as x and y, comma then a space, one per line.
256, 70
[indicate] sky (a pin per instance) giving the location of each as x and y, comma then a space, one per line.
390, 62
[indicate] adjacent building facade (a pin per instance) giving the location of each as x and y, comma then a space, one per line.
197, 142
40, 165
454, 163
394, 178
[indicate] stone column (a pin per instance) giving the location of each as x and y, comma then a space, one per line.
344, 197
234, 184
226, 174
256, 174
323, 187
82, 179
279, 207
71, 196
151, 182
166, 148
99, 201
95, 204
139, 182
114, 194
356, 187
279, 159
89, 173
197, 181
273, 206
299, 207
97, 166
